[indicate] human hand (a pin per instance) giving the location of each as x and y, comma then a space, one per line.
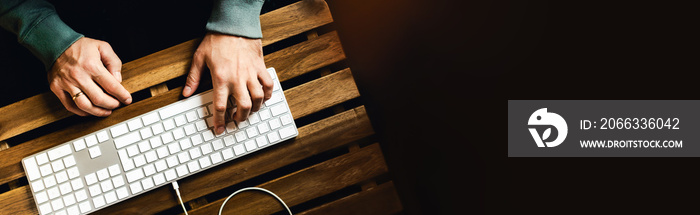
86, 78
237, 68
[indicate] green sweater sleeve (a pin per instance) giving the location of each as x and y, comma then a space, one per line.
236, 17
38, 28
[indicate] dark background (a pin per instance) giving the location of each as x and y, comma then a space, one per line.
436, 75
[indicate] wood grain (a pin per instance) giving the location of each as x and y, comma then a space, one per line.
382, 199
17, 201
306, 184
323, 93
161, 66
320, 51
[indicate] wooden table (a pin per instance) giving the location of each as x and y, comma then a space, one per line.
334, 166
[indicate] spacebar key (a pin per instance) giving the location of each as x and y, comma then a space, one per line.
187, 104
122, 141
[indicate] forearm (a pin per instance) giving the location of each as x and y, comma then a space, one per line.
236, 17
38, 28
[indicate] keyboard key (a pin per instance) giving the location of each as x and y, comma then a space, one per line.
250, 145
84, 207
57, 165
195, 153
65, 188
90, 141
273, 137
57, 204
91, 178
276, 97
239, 149
254, 119
42, 159
286, 119
32, 168
69, 199
193, 166
231, 127
172, 161
95, 190
216, 157
134, 124
196, 139
118, 181
102, 136
49, 181
102, 174
229, 140
79, 145
185, 144
262, 127
41, 197
110, 197
265, 114
114, 170
261, 140
134, 175
147, 183
191, 116
178, 133
170, 174
183, 157
204, 162
155, 142
53, 192
201, 125
81, 195
157, 129
149, 169
139, 160
168, 124
73, 172
227, 153
61, 177
122, 193
144, 146
167, 137
98, 201
128, 164
59, 152
135, 188
278, 109
76, 184
45, 208
202, 112
162, 152
181, 170
150, 118
207, 135
73, 210
132, 150
69, 161
161, 165
146, 133
243, 124
287, 132
240, 136
126, 140
180, 120
45, 170
151, 156
159, 179
206, 148
38, 185
184, 105
119, 130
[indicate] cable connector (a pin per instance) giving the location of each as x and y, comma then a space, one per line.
176, 187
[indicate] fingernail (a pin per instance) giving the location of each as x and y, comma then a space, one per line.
127, 101
187, 90
220, 130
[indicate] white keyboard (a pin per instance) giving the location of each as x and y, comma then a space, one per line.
148, 151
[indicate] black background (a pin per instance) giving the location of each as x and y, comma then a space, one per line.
436, 75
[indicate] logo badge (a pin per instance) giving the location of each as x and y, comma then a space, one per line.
547, 120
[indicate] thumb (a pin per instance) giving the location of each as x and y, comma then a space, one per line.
193, 77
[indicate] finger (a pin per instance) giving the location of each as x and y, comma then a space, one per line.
66, 100
85, 104
243, 103
96, 96
195, 74
111, 60
256, 95
267, 83
112, 86
220, 97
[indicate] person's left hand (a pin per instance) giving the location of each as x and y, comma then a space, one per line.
237, 68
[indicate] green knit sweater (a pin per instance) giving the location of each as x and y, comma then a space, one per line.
39, 28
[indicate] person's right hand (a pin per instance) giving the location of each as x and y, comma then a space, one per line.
87, 78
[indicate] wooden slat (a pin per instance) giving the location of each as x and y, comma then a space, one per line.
161, 66
323, 92
330, 51
17, 201
382, 199
306, 184
12, 169
314, 138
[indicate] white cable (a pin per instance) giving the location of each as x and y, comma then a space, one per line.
177, 191
258, 189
